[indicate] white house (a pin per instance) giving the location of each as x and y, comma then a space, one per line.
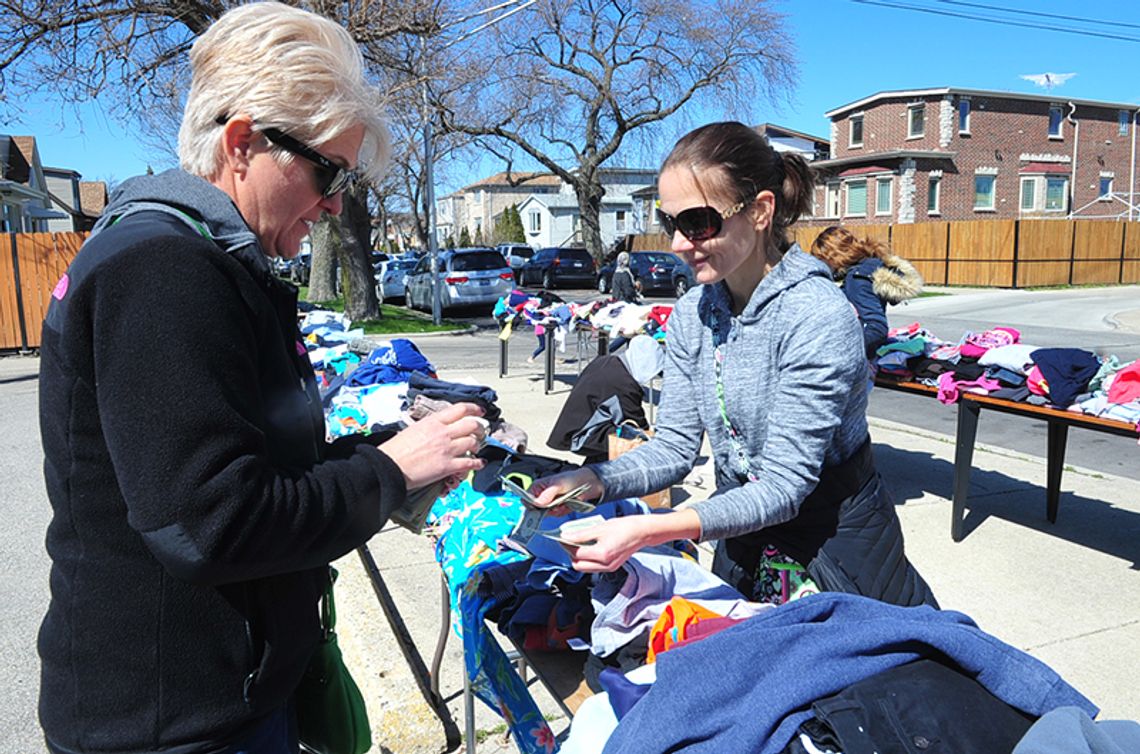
24, 202
548, 207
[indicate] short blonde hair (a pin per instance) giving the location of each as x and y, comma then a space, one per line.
288, 69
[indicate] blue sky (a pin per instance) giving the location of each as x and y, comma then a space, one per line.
846, 50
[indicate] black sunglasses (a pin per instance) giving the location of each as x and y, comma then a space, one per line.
698, 223
331, 178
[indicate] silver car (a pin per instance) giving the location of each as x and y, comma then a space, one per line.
390, 278
467, 277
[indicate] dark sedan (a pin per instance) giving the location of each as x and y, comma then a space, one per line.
555, 266
653, 269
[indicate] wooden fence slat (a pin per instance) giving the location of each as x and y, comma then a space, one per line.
1131, 272
1097, 240
980, 274
1132, 240
1044, 241
1035, 274
9, 314
1096, 272
982, 240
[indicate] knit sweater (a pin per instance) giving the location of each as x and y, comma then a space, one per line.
794, 384
195, 501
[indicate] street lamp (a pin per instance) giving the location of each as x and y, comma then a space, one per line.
429, 189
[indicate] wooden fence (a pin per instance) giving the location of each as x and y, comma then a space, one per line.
999, 253
30, 266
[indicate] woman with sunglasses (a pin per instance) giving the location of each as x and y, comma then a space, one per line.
766, 357
196, 502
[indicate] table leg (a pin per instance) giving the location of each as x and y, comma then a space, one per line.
968, 412
1058, 434
603, 342
549, 354
441, 641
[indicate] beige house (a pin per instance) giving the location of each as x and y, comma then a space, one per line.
476, 206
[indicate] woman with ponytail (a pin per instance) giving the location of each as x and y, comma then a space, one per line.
765, 357
871, 277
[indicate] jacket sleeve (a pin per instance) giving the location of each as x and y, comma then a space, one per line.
177, 354
871, 310
670, 454
819, 369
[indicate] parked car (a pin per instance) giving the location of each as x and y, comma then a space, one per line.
555, 266
390, 278
683, 278
300, 267
653, 269
516, 255
467, 277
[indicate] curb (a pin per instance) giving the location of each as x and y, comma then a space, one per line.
368, 339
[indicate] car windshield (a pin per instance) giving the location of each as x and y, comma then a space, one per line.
477, 260
401, 265
661, 260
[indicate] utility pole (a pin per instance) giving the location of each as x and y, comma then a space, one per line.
429, 167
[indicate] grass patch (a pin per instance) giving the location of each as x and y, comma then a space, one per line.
393, 319
929, 294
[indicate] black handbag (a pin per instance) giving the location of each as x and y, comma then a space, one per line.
331, 715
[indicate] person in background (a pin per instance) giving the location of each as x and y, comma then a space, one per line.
584, 423
871, 277
196, 503
623, 286
767, 361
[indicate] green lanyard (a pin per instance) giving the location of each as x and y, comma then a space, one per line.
739, 455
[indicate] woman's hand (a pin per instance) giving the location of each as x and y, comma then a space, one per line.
439, 446
608, 545
613, 541
550, 488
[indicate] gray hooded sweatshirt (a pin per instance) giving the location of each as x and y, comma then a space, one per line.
794, 380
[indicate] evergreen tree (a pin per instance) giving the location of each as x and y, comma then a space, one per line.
478, 237
464, 238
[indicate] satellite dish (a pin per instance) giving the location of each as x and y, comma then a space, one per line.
1048, 80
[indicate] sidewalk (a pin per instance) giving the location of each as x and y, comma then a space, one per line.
1066, 593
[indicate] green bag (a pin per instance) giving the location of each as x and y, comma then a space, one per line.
331, 716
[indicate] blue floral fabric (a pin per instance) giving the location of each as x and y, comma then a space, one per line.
471, 524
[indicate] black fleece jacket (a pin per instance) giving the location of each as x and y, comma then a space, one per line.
195, 501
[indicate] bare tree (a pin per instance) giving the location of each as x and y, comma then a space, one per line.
132, 56
568, 80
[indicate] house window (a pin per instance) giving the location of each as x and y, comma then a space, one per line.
1105, 188
1122, 122
933, 195
857, 198
1028, 194
916, 121
535, 221
964, 115
1055, 121
619, 221
984, 192
1056, 193
831, 200
883, 196
856, 135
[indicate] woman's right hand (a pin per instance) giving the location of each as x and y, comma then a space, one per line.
549, 488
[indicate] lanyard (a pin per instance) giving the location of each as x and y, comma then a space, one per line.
738, 453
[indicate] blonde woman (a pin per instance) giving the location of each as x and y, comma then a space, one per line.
195, 501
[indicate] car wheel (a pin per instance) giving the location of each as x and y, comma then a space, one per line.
602, 287
548, 281
680, 287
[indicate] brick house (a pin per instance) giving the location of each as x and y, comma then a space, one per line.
965, 154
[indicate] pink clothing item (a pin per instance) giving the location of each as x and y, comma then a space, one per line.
950, 389
1036, 382
978, 343
1125, 386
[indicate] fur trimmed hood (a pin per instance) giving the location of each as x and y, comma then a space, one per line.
897, 280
